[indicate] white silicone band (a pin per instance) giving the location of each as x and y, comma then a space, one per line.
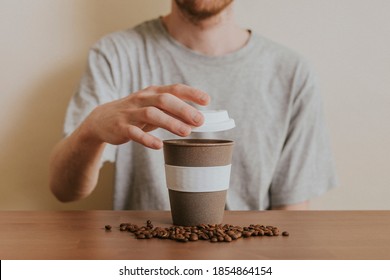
197, 179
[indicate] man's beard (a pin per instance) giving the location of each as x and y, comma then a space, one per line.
198, 10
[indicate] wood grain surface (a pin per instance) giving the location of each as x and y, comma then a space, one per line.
332, 235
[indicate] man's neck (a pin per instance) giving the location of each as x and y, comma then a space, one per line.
215, 36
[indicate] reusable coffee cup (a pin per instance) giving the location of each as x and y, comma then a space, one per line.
197, 176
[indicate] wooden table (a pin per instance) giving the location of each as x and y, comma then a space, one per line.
78, 235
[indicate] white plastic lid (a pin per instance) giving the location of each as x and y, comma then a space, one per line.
215, 120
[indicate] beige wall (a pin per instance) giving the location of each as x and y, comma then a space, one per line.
43, 49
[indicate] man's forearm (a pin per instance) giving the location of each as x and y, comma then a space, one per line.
299, 206
74, 166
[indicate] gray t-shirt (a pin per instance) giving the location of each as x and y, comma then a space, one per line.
281, 154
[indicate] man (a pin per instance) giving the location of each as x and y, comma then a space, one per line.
146, 84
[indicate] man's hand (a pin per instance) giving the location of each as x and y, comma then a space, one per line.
130, 118
75, 161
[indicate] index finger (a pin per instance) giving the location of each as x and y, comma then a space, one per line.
186, 93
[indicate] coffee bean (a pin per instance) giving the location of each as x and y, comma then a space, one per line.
141, 236
148, 235
214, 239
204, 236
180, 236
132, 228
193, 237
227, 238
165, 235
220, 238
182, 240
230, 233
202, 226
212, 232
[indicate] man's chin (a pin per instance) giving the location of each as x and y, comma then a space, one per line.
200, 10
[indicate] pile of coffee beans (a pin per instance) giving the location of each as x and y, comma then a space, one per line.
210, 232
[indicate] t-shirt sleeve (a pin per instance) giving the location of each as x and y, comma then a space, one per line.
97, 87
305, 168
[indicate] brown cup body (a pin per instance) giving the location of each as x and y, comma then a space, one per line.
194, 208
